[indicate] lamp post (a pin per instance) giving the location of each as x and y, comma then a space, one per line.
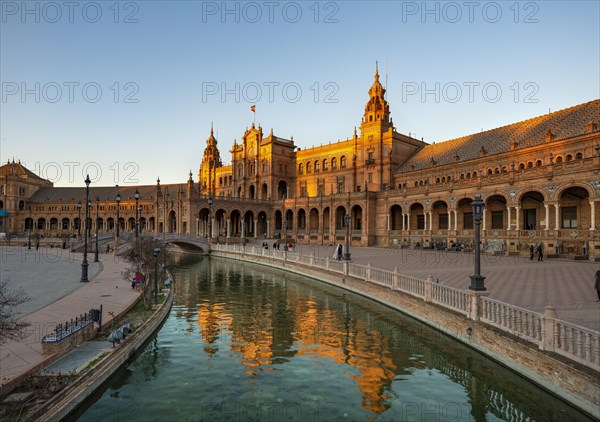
84, 264
477, 281
79, 221
30, 227
285, 227
347, 224
118, 199
97, 208
210, 201
156, 254
137, 198
88, 221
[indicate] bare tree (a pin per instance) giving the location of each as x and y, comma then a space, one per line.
141, 259
10, 326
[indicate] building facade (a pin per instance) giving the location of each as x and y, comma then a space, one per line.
539, 180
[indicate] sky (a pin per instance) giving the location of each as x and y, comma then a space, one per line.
127, 91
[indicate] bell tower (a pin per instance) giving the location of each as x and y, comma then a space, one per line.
210, 161
377, 110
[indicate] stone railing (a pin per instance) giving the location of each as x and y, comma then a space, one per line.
548, 333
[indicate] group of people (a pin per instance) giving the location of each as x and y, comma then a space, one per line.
536, 250
137, 281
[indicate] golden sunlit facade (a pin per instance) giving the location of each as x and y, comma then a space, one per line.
539, 179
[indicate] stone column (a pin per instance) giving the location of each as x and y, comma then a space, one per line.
509, 216
455, 220
269, 228
548, 331
592, 214
388, 221
430, 220
408, 221
228, 228
556, 216
213, 228
484, 219
547, 207
403, 221
518, 211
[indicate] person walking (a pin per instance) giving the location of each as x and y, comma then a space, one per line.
531, 252
540, 252
597, 284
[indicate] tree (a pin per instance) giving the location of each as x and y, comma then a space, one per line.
10, 326
141, 259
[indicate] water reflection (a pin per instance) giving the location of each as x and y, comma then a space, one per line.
261, 344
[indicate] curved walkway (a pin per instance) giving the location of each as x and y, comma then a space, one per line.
57, 296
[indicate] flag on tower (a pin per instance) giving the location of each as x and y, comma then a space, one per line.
253, 108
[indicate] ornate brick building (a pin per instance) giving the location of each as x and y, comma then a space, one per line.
539, 179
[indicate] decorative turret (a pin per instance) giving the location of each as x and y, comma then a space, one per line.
377, 109
210, 161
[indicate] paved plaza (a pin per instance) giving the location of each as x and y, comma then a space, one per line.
567, 284
53, 283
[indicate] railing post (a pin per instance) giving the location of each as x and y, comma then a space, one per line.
429, 288
548, 328
368, 275
396, 279
474, 309
346, 267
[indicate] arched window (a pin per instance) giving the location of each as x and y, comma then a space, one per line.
308, 168
334, 163
569, 157
474, 175
489, 172
522, 166
538, 163
578, 156
300, 168
437, 180
559, 159
462, 176
343, 162
497, 170
325, 165
504, 169
317, 166
530, 165
468, 175
416, 184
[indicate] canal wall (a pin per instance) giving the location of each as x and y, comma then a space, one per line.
572, 382
73, 396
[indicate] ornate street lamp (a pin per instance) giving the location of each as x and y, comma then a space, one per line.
30, 227
210, 202
118, 199
88, 221
97, 208
477, 280
79, 221
347, 224
156, 254
285, 227
84, 264
137, 198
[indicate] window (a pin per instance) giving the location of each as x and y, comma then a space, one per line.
325, 165
521, 166
340, 184
300, 169
569, 157
569, 217
467, 220
308, 168
317, 166
334, 164
443, 221
370, 177
421, 222
559, 159
343, 162
578, 156
497, 219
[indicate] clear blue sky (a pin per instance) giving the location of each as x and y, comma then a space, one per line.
166, 70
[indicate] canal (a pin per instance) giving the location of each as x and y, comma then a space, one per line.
244, 342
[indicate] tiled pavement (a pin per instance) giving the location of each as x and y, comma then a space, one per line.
568, 285
46, 279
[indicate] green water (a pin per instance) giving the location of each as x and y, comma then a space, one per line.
244, 342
